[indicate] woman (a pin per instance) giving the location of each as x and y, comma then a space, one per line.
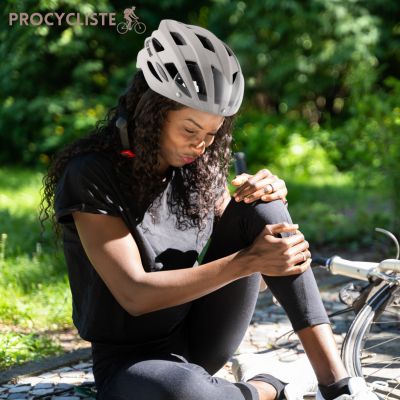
138, 200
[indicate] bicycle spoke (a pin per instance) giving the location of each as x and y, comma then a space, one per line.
380, 369
379, 344
393, 391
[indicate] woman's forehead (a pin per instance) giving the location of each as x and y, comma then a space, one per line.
202, 119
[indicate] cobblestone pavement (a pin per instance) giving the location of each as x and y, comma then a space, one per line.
266, 332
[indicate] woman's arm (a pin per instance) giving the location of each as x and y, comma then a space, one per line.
114, 254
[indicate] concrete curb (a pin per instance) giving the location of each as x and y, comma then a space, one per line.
46, 364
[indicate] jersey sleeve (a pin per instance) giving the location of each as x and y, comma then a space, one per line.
86, 185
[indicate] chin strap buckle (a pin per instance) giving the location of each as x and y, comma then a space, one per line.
122, 127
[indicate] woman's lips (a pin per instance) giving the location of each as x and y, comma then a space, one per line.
188, 160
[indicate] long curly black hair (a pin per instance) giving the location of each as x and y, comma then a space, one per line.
137, 176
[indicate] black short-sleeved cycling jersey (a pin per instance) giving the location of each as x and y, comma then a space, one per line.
89, 184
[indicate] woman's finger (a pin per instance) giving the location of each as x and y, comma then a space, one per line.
240, 179
261, 174
299, 268
300, 257
252, 180
296, 249
292, 240
257, 188
273, 229
274, 196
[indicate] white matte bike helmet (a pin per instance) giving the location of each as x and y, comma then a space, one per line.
190, 65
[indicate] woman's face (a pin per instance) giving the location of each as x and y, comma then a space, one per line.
186, 135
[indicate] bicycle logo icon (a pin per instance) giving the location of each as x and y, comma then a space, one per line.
131, 21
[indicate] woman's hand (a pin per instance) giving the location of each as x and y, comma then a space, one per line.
275, 256
263, 185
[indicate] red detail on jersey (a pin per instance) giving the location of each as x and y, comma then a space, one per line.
128, 153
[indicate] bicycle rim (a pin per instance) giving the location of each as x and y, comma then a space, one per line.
371, 348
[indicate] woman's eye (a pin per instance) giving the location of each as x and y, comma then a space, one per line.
189, 131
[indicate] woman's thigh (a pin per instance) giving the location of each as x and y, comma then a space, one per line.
217, 322
162, 379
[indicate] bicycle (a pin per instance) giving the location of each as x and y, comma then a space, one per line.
372, 336
371, 347
139, 27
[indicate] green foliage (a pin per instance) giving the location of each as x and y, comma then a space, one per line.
58, 81
329, 205
321, 110
286, 145
331, 211
16, 348
298, 54
368, 143
34, 289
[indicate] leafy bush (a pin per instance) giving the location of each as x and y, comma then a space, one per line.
282, 144
368, 143
16, 348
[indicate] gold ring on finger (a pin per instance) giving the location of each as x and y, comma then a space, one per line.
304, 256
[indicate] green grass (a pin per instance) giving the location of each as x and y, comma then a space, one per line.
34, 291
332, 210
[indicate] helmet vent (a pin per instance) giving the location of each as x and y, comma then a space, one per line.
197, 80
153, 71
234, 77
181, 84
178, 38
206, 43
157, 45
170, 67
228, 50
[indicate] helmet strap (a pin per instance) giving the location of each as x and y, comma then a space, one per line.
122, 125
142, 100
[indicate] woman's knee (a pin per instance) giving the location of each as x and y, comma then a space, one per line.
241, 223
258, 214
156, 380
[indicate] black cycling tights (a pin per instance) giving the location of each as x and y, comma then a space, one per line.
215, 324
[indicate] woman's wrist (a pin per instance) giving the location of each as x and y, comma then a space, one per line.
242, 263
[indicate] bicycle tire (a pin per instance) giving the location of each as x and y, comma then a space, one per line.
364, 331
139, 28
122, 28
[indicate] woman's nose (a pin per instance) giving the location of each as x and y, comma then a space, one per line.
200, 148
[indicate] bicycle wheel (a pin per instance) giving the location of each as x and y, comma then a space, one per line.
140, 27
122, 28
371, 348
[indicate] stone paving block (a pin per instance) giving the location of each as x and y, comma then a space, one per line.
32, 380
65, 369
48, 375
41, 392
63, 386
17, 396
65, 398
20, 389
72, 374
81, 366
72, 381
44, 385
